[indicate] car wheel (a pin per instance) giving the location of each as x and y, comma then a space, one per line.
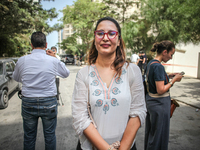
4, 99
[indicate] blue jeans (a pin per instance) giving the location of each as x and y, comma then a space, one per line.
32, 109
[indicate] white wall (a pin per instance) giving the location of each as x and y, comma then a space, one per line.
185, 59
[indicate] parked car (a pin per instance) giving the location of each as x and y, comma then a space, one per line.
7, 83
67, 58
15, 59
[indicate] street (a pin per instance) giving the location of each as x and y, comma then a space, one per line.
184, 128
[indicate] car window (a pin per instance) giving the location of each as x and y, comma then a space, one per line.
13, 65
70, 56
1, 68
8, 67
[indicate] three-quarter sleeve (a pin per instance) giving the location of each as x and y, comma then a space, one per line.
80, 115
138, 105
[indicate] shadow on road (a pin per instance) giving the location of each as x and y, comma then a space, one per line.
11, 137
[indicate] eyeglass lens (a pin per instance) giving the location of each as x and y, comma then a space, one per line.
110, 34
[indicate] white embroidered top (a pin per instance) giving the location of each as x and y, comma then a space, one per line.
110, 107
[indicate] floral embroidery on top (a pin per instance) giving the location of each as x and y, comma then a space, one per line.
95, 83
106, 107
123, 71
114, 102
118, 80
97, 92
116, 91
99, 103
92, 74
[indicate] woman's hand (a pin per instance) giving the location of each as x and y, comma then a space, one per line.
172, 75
177, 78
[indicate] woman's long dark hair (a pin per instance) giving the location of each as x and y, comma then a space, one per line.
159, 47
120, 51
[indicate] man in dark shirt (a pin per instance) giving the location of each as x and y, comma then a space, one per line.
144, 63
140, 63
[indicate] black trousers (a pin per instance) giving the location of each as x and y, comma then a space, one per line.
57, 86
79, 146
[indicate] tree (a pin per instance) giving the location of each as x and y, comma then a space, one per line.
121, 9
135, 35
70, 45
82, 15
159, 20
19, 19
173, 20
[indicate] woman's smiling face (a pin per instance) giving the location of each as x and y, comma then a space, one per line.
106, 45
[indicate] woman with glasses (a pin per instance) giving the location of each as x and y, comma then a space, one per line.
114, 90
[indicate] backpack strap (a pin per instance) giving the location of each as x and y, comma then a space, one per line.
147, 85
148, 74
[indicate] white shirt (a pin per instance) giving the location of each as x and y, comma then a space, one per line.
37, 72
110, 107
134, 58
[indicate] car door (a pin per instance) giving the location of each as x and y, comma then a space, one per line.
15, 83
10, 81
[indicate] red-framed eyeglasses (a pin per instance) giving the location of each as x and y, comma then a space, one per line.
101, 34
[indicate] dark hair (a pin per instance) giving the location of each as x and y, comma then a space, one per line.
38, 39
53, 47
164, 45
120, 51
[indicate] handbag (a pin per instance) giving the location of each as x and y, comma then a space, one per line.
174, 104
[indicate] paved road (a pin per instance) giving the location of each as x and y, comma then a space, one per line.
184, 133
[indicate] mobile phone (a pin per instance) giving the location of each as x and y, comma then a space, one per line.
182, 73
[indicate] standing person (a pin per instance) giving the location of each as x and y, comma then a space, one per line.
144, 63
37, 72
81, 58
75, 59
140, 61
134, 58
114, 90
158, 99
54, 49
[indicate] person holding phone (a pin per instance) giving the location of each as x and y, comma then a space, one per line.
158, 99
37, 72
54, 49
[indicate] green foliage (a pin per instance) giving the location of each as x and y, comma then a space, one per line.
159, 20
19, 18
177, 21
69, 44
120, 9
82, 15
135, 35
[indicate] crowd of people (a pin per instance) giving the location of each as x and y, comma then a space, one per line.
108, 103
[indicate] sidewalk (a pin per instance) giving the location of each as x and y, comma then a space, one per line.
187, 91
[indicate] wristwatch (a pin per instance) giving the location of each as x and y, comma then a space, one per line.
171, 83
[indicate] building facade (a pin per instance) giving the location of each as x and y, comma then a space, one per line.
66, 32
187, 59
